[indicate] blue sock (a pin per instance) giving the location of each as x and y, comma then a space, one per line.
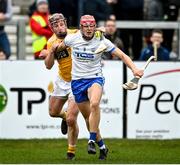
101, 144
92, 136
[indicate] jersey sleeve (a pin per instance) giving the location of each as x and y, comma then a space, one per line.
68, 41
49, 44
110, 46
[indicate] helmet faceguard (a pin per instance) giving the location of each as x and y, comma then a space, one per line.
56, 19
87, 20
88, 26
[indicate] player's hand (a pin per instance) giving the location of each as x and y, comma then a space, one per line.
54, 48
138, 72
43, 54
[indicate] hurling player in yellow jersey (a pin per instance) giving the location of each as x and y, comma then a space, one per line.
62, 86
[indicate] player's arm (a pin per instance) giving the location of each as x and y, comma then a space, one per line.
127, 60
67, 42
49, 60
43, 54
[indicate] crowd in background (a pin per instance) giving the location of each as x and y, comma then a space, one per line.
131, 41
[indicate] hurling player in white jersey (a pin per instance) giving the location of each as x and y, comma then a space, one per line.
87, 79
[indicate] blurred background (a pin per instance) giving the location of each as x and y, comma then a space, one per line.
134, 21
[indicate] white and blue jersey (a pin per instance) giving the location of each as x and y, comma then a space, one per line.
86, 65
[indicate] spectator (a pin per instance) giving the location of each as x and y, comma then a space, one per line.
41, 32
111, 34
162, 53
69, 8
112, 4
132, 38
153, 12
171, 9
98, 8
5, 14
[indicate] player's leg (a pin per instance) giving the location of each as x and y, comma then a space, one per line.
56, 104
102, 147
95, 94
87, 94
90, 109
57, 100
73, 130
85, 111
84, 107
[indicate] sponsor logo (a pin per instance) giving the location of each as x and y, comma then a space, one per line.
30, 102
3, 98
61, 54
163, 72
162, 99
84, 55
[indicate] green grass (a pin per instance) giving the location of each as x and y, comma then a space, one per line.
120, 151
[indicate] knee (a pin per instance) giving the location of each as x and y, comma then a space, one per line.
94, 104
71, 121
53, 113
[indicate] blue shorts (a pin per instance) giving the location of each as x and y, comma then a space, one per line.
80, 87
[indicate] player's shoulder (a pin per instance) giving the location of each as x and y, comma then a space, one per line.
72, 31
72, 36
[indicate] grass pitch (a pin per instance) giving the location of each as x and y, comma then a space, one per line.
120, 151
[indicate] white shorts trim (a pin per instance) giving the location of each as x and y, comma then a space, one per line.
62, 88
